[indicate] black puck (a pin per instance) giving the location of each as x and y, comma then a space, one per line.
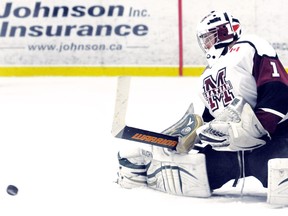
12, 190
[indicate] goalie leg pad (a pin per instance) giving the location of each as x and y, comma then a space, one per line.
278, 181
183, 175
132, 168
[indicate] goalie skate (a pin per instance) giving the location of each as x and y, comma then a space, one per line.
133, 167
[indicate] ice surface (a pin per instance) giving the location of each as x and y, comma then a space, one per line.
56, 147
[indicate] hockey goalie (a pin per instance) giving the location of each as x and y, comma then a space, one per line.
242, 131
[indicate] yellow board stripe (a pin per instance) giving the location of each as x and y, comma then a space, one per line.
98, 71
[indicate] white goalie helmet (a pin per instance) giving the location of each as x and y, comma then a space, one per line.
216, 32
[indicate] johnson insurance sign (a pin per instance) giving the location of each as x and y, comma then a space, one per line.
87, 32
116, 37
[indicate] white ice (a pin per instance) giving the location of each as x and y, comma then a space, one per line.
56, 147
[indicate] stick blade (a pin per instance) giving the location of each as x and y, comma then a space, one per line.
148, 137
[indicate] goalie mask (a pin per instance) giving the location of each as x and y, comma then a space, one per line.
215, 33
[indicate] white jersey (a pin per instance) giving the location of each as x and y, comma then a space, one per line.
250, 69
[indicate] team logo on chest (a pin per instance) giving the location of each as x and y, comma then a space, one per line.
217, 91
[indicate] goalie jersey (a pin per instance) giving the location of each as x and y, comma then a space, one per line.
250, 69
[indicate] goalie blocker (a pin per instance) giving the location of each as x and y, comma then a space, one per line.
179, 137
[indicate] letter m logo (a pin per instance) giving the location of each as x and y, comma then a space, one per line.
217, 91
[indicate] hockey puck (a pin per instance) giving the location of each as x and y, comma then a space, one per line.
12, 190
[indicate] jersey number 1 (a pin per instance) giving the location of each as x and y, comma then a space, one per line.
275, 71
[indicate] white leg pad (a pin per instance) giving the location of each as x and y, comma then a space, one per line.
278, 181
132, 168
183, 175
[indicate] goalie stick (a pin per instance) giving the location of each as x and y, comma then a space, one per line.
169, 138
122, 131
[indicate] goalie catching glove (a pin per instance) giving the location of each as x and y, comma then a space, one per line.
236, 127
